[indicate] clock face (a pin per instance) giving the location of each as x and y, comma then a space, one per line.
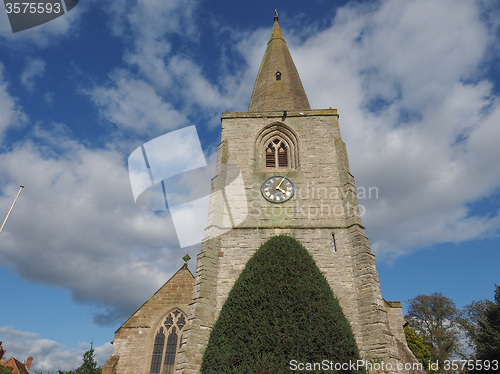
277, 189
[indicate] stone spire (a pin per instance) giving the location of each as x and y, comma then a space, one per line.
278, 86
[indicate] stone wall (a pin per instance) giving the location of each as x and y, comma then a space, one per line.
133, 343
324, 209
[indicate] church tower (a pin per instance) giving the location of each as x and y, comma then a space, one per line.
297, 182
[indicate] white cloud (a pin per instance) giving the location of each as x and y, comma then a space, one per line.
422, 49
192, 85
85, 193
48, 355
415, 113
35, 68
11, 113
414, 106
48, 97
133, 105
171, 73
76, 226
150, 22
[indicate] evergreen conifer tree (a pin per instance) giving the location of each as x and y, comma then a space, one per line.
89, 365
280, 312
488, 338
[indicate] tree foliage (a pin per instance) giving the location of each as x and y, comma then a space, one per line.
488, 334
5, 370
421, 350
471, 316
89, 365
437, 320
281, 308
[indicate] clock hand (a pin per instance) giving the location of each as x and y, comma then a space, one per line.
278, 186
281, 190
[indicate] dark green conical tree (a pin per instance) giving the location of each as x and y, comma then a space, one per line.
89, 365
280, 309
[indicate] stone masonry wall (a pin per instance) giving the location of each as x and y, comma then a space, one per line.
134, 340
323, 209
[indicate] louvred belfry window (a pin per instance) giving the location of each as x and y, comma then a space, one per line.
277, 154
270, 156
277, 148
282, 155
164, 355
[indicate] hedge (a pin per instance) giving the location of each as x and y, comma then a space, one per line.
280, 313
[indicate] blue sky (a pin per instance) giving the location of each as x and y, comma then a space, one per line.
416, 85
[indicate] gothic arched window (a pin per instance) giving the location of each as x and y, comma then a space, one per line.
277, 147
276, 154
282, 155
158, 352
270, 156
164, 355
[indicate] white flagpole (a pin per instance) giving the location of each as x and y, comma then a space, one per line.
12, 207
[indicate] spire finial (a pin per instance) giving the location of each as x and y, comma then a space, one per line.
275, 14
186, 258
